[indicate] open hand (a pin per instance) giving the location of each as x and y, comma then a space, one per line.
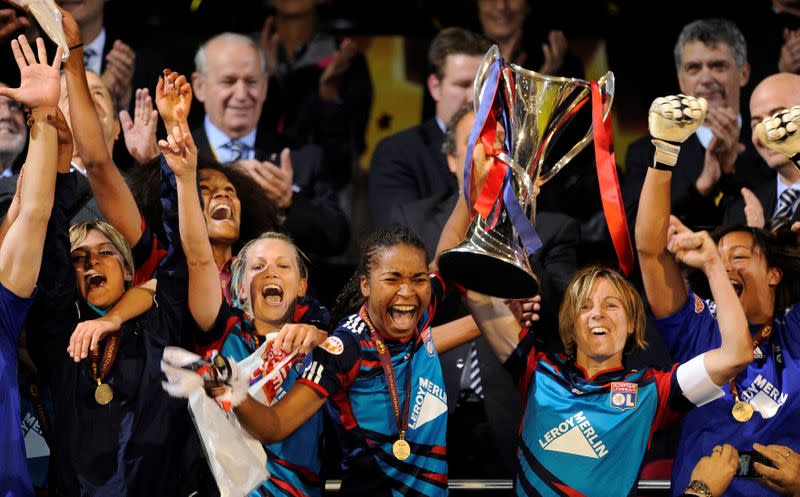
40, 83
276, 181
140, 132
331, 77
554, 52
118, 73
173, 95
269, 41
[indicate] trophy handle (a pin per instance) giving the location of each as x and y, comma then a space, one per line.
606, 85
480, 78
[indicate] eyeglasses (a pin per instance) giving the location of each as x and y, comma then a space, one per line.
11, 106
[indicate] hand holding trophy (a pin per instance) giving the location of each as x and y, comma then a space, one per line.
672, 120
781, 133
532, 109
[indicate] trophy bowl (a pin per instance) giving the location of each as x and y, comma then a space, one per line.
492, 260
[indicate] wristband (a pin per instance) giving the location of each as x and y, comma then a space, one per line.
79, 45
666, 154
701, 487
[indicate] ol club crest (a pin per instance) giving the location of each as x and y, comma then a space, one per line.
623, 395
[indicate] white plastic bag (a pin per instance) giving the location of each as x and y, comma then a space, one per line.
236, 459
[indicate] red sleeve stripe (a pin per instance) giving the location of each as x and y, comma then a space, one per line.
314, 386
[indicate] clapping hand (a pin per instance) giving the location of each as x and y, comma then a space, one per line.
140, 132
118, 73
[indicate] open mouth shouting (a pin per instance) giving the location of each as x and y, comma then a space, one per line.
738, 287
272, 294
403, 316
94, 280
221, 212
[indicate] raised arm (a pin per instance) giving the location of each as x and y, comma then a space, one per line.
205, 296
21, 251
698, 250
671, 120
113, 196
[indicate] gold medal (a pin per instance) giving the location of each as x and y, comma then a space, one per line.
742, 411
103, 394
401, 449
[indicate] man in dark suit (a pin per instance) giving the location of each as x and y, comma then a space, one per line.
773, 202
410, 165
230, 81
484, 406
718, 160
110, 58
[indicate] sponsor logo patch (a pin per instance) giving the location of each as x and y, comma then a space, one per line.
333, 345
623, 395
575, 435
698, 305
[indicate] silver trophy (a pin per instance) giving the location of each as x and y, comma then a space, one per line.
492, 260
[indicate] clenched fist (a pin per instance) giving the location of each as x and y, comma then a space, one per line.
781, 133
676, 117
672, 120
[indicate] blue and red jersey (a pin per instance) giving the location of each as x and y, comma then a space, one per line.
351, 377
294, 463
769, 384
587, 436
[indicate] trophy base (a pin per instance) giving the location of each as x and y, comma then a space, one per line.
488, 274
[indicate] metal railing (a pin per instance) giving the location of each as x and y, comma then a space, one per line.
486, 485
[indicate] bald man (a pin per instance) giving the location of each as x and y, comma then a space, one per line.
762, 207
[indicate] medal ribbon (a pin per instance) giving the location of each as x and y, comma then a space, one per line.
401, 417
497, 188
609, 183
100, 369
765, 333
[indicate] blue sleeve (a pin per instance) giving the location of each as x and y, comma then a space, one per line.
13, 311
692, 330
173, 265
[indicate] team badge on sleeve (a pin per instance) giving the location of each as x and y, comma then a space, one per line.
698, 305
623, 395
333, 345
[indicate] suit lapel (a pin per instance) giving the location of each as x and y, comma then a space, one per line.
434, 137
203, 146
